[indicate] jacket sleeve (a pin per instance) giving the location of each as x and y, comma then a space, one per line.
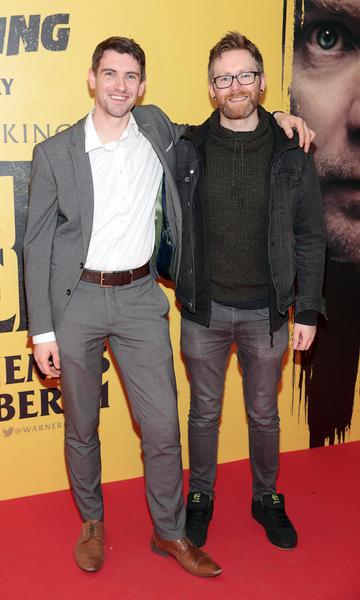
310, 242
41, 225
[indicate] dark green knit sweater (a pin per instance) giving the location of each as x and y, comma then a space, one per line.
236, 167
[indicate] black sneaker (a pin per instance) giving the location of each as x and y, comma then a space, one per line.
199, 511
270, 512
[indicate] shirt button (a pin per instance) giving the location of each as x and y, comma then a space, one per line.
68, 292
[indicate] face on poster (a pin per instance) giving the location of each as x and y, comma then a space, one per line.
325, 90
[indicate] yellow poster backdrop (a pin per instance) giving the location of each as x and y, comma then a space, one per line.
45, 52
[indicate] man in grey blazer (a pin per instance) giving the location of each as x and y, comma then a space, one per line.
102, 196
104, 219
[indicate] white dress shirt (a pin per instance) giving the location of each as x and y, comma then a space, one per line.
126, 178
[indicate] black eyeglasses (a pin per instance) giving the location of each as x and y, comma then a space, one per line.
226, 81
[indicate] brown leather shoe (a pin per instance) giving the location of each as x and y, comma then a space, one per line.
192, 559
89, 549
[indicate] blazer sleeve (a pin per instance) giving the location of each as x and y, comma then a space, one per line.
38, 240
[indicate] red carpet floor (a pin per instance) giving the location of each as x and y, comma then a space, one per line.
322, 487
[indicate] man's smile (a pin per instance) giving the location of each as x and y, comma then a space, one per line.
121, 97
238, 98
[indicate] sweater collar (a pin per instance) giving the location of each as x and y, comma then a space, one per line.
197, 135
244, 136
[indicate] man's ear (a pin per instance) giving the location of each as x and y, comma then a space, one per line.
142, 88
262, 83
91, 79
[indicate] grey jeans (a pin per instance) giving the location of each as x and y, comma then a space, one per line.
134, 319
206, 351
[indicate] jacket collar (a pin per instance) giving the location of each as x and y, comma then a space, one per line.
78, 134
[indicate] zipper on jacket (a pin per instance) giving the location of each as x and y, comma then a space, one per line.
190, 180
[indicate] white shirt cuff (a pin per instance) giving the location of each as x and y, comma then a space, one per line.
49, 336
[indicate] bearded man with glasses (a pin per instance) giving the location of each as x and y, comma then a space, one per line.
253, 245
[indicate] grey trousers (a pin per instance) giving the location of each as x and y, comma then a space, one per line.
134, 319
206, 351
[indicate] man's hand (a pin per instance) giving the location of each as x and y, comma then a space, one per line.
48, 358
303, 336
288, 122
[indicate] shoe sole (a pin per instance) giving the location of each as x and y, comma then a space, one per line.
92, 570
287, 548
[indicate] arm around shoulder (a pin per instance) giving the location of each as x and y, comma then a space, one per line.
177, 130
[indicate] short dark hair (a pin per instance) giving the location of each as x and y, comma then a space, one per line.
234, 40
122, 45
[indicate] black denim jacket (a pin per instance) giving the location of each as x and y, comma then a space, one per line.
296, 231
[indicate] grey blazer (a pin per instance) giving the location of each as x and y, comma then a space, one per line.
60, 217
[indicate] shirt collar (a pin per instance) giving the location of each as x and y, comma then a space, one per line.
92, 140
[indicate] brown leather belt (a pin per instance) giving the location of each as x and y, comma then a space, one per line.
111, 278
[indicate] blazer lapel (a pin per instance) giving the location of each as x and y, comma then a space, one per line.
149, 130
84, 182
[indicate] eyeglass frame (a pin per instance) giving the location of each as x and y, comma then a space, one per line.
255, 73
